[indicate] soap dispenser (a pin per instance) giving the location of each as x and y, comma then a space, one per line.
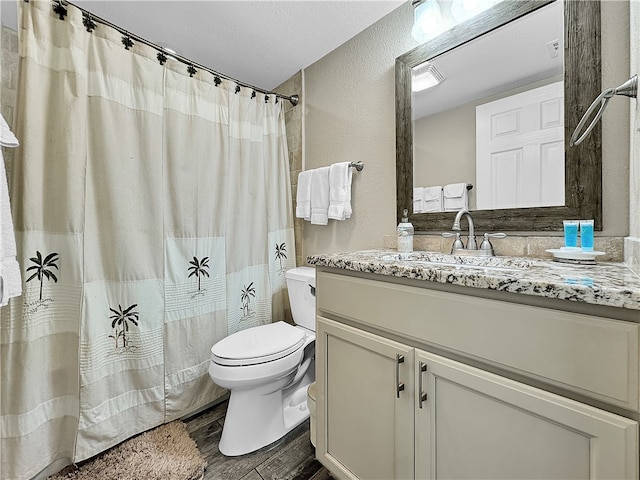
405, 233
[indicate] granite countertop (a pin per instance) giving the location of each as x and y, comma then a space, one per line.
609, 284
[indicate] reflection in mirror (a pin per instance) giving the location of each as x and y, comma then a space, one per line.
530, 188
500, 129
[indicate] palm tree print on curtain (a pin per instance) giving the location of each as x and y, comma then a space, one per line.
198, 269
281, 252
120, 320
247, 293
43, 269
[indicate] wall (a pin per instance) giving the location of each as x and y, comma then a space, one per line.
293, 117
350, 115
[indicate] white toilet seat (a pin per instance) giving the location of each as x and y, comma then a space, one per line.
258, 345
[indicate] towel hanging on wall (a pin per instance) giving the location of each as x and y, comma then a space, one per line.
340, 175
320, 196
303, 196
455, 197
325, 193
9, 267
432, 199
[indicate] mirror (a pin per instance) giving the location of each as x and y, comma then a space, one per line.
582, 166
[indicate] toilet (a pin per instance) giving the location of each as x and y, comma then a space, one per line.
268, 370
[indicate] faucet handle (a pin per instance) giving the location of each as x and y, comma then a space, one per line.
486, 244
457, 242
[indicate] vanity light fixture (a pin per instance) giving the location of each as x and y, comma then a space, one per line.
433, 17
426, 75
462, 10
428, 20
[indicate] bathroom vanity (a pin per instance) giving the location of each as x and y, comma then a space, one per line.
430, 368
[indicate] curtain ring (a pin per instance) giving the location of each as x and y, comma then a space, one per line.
59, 10
127, 42
88, 23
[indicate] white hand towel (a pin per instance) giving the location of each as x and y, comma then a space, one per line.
320, 196
340, 175
303, 196
7, 138
9, 268
418, 200
455, 197
432, 199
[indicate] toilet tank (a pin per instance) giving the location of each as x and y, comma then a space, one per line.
301, 285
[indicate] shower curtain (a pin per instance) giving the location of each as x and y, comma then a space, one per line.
153, 218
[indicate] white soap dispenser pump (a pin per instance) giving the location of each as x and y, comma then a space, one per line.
405, 233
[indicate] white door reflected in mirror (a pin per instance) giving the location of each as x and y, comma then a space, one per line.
520, 150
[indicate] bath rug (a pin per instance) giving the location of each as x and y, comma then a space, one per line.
164, 453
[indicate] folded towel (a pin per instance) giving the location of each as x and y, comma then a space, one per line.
456, 197
432, 199
418, 199
9, 268
340, 175
320, 196
303, 197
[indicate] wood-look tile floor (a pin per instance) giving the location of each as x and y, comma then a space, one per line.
290, 458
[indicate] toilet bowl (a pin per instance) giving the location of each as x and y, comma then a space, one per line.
268, 370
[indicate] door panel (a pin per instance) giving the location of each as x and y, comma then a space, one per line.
520, 150
476, 425
368, 421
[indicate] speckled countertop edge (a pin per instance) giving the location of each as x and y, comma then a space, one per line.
609, 284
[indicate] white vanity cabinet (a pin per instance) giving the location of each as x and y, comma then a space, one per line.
388, 407
365, 428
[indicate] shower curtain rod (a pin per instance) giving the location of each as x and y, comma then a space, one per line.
163, 53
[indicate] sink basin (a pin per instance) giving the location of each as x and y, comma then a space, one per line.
431, 259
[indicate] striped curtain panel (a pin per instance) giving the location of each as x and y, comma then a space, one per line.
153, 218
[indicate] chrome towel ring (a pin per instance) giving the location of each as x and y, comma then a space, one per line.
628, 89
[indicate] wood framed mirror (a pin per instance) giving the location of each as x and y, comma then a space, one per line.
582, 83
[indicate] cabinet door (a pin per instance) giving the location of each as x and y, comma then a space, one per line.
476, 425
365, 409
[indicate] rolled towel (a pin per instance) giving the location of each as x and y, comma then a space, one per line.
432, 199
320, 196
303, 197
340, 175
455, 197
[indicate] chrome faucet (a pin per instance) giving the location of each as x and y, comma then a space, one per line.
471, 243
458, 248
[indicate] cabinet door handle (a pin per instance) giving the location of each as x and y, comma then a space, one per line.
399, 384
423, 395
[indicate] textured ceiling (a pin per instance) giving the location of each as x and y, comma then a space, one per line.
259, 42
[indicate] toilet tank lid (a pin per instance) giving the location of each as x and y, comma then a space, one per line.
304, 274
